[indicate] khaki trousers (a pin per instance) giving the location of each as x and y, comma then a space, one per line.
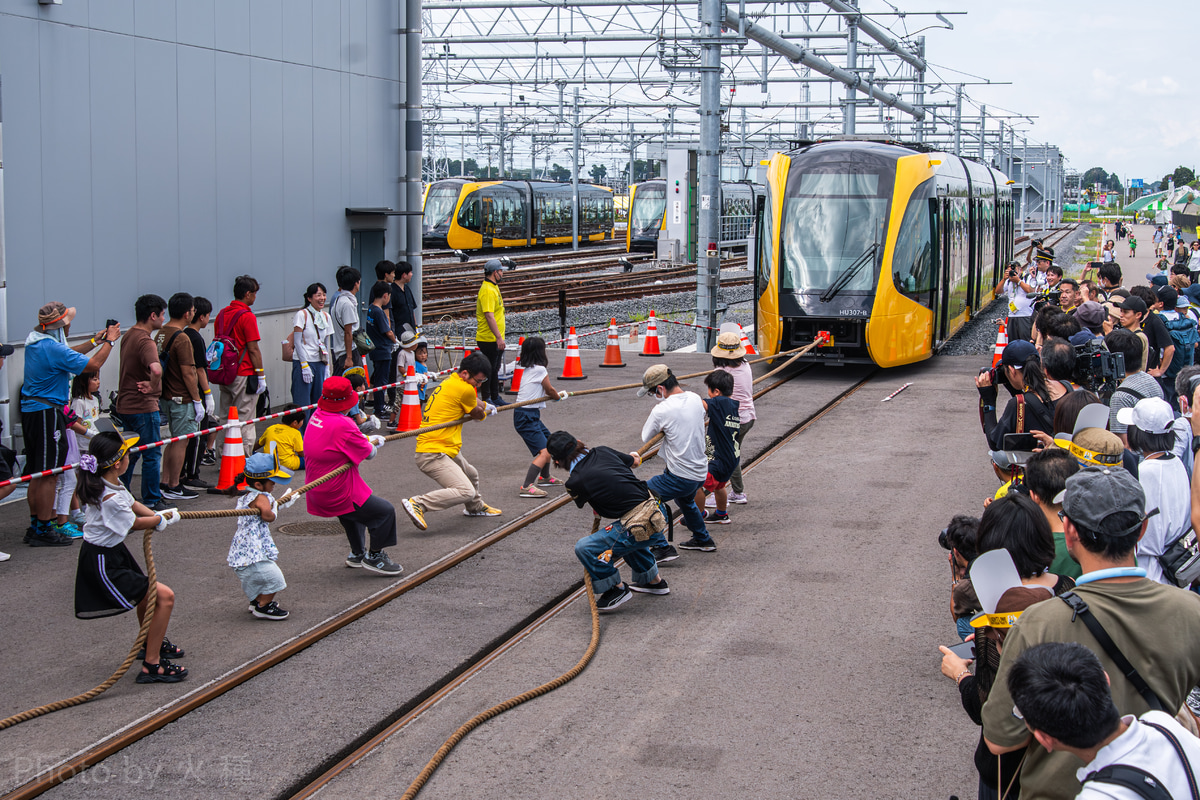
235, 394
458, 479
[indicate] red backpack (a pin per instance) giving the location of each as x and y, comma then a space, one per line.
223, 354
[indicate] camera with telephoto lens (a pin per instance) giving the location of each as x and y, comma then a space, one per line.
1098, 370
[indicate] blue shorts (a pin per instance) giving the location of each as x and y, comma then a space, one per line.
528, 422
261, 577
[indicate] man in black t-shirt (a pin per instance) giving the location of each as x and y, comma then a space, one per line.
198, 447
1160, 346
603, 478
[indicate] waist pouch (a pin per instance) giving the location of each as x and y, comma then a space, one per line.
645, 520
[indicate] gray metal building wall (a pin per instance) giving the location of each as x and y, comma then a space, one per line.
168, 145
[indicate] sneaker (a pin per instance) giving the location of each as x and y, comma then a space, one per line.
178, 493
69, 529
740, 499
486, 511
270, 611
415, 513
354, 560
717, 517
551, 481
532, 491
4, 556
613, 598
710, 501
46, 537
703, 545
159, 506
196, 483
652, 588
381, 563
664, 554
209, 459
78, 518
1193, 700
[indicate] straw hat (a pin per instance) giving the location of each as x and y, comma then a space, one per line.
729, 345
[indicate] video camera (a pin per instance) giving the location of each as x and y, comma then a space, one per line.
1098, 370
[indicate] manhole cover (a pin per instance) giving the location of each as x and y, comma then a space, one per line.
311, 529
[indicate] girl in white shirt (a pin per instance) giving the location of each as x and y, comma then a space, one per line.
311, 329
535, 383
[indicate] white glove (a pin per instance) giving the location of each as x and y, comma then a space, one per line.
306, 373
291, 501
563, 395
262, 384
167, 517
372, 424
489, 410
377, 441
210, 405
198, 408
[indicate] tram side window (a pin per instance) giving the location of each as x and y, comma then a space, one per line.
912, 263
468, 214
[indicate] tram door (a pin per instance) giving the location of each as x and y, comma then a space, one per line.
942, 314
487, 221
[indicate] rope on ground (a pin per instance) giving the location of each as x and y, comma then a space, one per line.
511, 703
138, 643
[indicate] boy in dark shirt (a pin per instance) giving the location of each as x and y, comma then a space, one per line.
603, 478
722, 445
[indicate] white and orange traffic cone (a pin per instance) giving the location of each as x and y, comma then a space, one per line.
746, 343
233, 456
612, 352
518, 370
573, 366
410, 404
1001, 343
651, 346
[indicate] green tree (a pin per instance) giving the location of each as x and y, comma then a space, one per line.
470, 167
560, 173
1093, 176
1183, 176
598, 173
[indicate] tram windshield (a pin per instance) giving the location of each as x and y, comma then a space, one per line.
439, 206
649, 204
830, 221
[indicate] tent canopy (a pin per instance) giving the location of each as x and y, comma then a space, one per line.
1145, 201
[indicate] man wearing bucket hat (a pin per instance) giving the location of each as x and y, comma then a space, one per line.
679, 416
1156, 627
489, 328
332, 440
49, 365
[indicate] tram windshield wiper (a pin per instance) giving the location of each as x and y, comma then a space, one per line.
849, 272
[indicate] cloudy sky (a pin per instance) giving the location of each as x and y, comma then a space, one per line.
1108, 81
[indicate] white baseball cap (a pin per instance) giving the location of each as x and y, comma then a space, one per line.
1151, 414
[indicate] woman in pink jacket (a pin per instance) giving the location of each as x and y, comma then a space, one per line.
333, 440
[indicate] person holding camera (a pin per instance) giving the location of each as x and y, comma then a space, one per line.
959, 539
1032, 405
1020, 304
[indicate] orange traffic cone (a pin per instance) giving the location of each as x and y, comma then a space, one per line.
746, 343
573, 366
518, 370
410, 405
233, 456
612, 353
651, 346
633, 334
1001, 342
366, 372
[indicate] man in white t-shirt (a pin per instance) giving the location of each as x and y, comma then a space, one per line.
1062, 692
679, 416
344, 311
1020, 304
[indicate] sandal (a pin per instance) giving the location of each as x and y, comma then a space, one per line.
167, 650
162, 672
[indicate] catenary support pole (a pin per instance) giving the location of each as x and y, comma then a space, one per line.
1024, 177
708, 271
958, 93
919, 125
413, 146
575, 176
849, 109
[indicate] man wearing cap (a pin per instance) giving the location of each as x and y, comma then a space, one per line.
331, 441
679, 416
1032, 407
1156, 627
489, 327
439, 453
49, 365
1137, 383
603, 478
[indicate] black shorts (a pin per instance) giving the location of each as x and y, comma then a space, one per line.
45, 439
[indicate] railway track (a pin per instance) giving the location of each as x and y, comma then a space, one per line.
129, 735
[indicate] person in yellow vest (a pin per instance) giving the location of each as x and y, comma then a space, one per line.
439, 453
489, 332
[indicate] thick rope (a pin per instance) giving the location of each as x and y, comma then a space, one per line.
511, 703
138, 642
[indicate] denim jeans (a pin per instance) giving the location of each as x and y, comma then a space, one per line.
147, 427
604, 575
671, 487
305, 394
